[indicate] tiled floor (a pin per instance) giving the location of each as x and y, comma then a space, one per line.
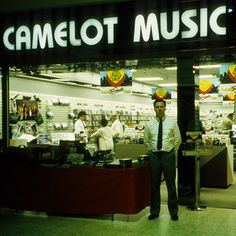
212, 221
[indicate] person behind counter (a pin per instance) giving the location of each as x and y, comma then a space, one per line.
104, 135
80, 128
117, 129
227, 122
162, 139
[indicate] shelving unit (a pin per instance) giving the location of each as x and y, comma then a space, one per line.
130, 115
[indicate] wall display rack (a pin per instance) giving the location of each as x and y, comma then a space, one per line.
59, 113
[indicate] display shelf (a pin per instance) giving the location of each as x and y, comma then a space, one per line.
60, 107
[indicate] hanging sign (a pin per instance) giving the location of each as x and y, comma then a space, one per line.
225, 73
232, 73
161, 93
227, 91
116, 81
208, 85
115, 77
205, 86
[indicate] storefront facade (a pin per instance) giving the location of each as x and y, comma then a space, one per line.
129, 30
106, 31
122, 30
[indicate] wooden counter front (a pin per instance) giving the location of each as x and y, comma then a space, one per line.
79, 190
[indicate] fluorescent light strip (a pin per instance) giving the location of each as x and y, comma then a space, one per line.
206, 76
168, 85
195, 67
148, 79
206, 66
171, 68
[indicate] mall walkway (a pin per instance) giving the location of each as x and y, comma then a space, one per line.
212, 221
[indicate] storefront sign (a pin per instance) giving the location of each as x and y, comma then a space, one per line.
123, 29
144, 30
46, 37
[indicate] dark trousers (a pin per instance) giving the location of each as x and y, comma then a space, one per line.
163, 162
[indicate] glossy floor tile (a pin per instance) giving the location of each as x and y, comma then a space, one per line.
212, 221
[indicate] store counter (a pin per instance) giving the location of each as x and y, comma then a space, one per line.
130, 150
217, 168
80, 190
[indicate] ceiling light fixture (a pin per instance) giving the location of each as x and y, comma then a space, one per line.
148, 79
171, 68
168, 85
206, 66
206, 76
196, 67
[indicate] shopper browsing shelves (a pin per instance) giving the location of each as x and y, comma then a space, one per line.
117, 129
227, 122
104, 135
162, 139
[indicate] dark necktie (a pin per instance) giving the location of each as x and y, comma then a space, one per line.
159, 138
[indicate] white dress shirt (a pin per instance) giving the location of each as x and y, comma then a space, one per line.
171, 137
105, 139
226, 124
117, 128
79, 127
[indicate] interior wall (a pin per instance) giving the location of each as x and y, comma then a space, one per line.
51, 88
130, 107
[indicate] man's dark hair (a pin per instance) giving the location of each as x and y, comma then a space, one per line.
104, 122
82, 113
159, 100
230, 115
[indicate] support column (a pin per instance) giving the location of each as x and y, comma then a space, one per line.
186, 94
186, 115
5, 107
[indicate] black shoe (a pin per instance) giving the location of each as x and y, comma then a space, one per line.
174, 217
152, 216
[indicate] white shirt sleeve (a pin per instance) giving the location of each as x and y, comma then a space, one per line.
79, 127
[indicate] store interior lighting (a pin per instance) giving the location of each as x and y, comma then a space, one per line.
206, 76
147, 73
196, 67
149, 79
171, 68
168, 85
207, 66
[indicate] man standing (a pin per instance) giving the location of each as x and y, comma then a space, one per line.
227, 122
80, 127
162, 139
